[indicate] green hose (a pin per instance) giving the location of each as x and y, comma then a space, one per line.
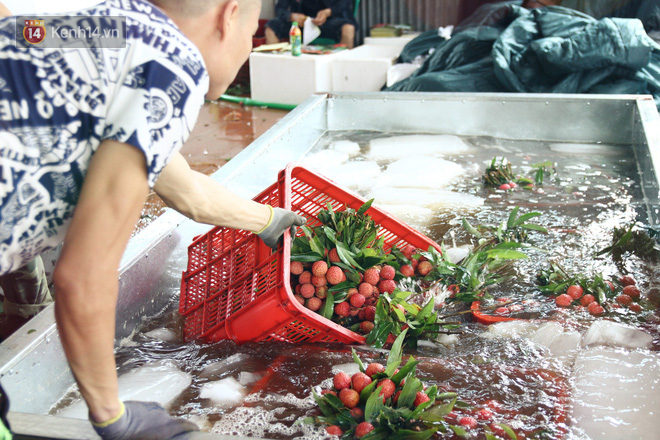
248, 101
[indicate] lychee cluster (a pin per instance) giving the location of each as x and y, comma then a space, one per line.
348, 388
575, 298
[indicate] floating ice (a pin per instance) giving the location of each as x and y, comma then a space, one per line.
456, 254
553, 337
163, 334
421, 172
510, 329
325, 159
350, 368
447, 339
432, 199
610, 333
398, 147
577, 148
349, 147
217, 369
225, 393
158, 382
616, 394
245, 378
416, 216
359, 175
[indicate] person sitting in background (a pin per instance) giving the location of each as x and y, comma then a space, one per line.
334, 18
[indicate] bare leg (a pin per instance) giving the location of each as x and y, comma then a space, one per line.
271, 37
348, 35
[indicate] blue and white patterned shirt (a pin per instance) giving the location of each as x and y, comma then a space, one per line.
57, 105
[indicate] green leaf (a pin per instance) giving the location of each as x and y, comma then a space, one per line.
378, 335
403, 372
374, 404
512, 218
308, 257
512, 435
306, 421
506, 254
409, 392
394, 358
366, 391
471, 229
329, 306
325, 408
427, 310
407, 434
458, 430
364, 207
438, 412
380, 433
357, 360
533, 227
344, 285
317, 246
523, 218
347, 256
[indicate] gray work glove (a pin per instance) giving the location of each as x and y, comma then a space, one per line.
144, 421
280, 221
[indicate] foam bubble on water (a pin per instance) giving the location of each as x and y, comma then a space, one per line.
162, 334
416, 216
349, 368
420, 172
616, 394
345, 146
289, 399
358, 175
224, 393
614, 334
202, 421
258, 422
325, 159
398, 147
160, 382
577, 148
432, 199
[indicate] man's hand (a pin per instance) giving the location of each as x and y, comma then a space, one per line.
144, 420
299, 18
322, 16
280, 221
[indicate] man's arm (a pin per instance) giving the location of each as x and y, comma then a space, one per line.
204, 200
86, 278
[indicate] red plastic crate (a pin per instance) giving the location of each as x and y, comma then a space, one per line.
235, 287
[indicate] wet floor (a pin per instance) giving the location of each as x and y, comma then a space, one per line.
223, 130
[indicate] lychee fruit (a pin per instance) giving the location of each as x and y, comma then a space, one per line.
366, 326
334, 275
319, 281
372, 276
314, 304
321, 292
424, 267
374, 368
407, 270
350, 398
319, 268
627, 281
388, 388
300, 299
366, 290
333, 392
342, 309
357, 300
307, 290
468, 422
305, 277
634, 307
623, 299
587, 299
631, 291
386, 286
575, 291
363, 429
360, 381
334, 430
334, 256
563, 300
595, 309
395, 399
420, 398
484, 414
387, 273
357, 413
341, 380
370, 313
296, 268
409, 251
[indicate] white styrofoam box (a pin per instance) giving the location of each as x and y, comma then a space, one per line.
286, 79
363, 69
398, 42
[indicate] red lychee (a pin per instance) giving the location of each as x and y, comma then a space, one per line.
587, 299
341, 380
321, 292
484, 414
388, 388
623, 299
296, 268
409, 251
374, 368
407, 270
370, 313
305, 277
372, 276
319, 268
366, 326
359, 381
334, 275
563, 300
334, 256
363, 429
350, 398
420, 398
502, 311
631, 291
387, 273
334, 430
627, 281
300, 299
318, 281
357, 300
468, 422
424, 267
386, 286
575, 291
366, 290
357, 413
595, 309
634, 307
342, 309
314, 304
307, 290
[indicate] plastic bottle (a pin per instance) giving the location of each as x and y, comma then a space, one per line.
295, 38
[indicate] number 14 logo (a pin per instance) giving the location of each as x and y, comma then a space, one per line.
34, 31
